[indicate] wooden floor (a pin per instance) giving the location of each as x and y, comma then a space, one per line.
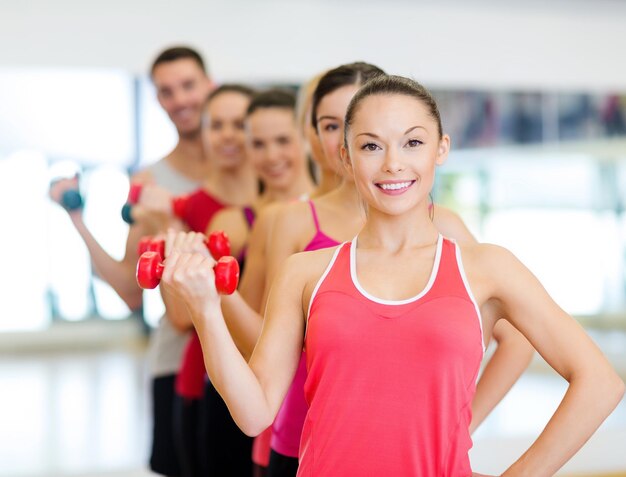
85, 414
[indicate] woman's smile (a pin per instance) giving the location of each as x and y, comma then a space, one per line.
395, 187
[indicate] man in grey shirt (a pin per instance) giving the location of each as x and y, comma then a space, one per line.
182, 85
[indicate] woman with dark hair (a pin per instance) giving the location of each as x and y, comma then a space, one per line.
338, 216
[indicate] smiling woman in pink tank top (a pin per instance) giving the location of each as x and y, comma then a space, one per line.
391, 321
299, 228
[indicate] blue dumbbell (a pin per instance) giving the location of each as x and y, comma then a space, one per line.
126, 213
71, 200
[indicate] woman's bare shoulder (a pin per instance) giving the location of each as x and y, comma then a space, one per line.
292, 226
292, 211
142, 176
274, 212
230, 213
493, 265
311, 264
230, 219
489, 253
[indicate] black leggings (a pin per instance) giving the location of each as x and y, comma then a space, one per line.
208, 442
228, 451
259, 470
163, 456
187, 414
282, 465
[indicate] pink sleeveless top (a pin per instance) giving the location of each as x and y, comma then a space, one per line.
403, 371
287, 427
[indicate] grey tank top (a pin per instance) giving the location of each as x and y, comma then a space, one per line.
167, 343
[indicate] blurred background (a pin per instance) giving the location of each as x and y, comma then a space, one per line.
533, 94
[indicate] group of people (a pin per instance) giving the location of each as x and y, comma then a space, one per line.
355, 342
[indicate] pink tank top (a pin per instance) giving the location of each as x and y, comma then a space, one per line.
403, 371
287, 427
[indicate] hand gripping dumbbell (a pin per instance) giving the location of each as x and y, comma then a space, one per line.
71, 200
217, 243
179, 204
150, 266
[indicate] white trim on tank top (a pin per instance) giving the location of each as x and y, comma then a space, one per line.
468, 290
431, 280
319, 284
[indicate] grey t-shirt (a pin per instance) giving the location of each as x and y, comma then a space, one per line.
167, 343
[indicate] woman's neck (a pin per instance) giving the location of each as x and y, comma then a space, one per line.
395, 232
346, 198
234, 186
302, 186
329, 181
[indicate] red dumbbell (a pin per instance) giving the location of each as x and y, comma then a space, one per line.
150, 270
133, 193
217, 243
150, 244
178, 203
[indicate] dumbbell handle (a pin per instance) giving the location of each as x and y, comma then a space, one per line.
179, 204
150, 271
217, 242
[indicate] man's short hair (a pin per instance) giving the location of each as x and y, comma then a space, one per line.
178, 53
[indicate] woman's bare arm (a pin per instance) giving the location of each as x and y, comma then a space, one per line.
252, 284
242, 310
253, 392
119, 274
594, 387
284, 239
510, 359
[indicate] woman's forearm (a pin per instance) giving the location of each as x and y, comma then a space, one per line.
590, 398
120, 275
506, 365
176, 311
231, 375
243, 322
